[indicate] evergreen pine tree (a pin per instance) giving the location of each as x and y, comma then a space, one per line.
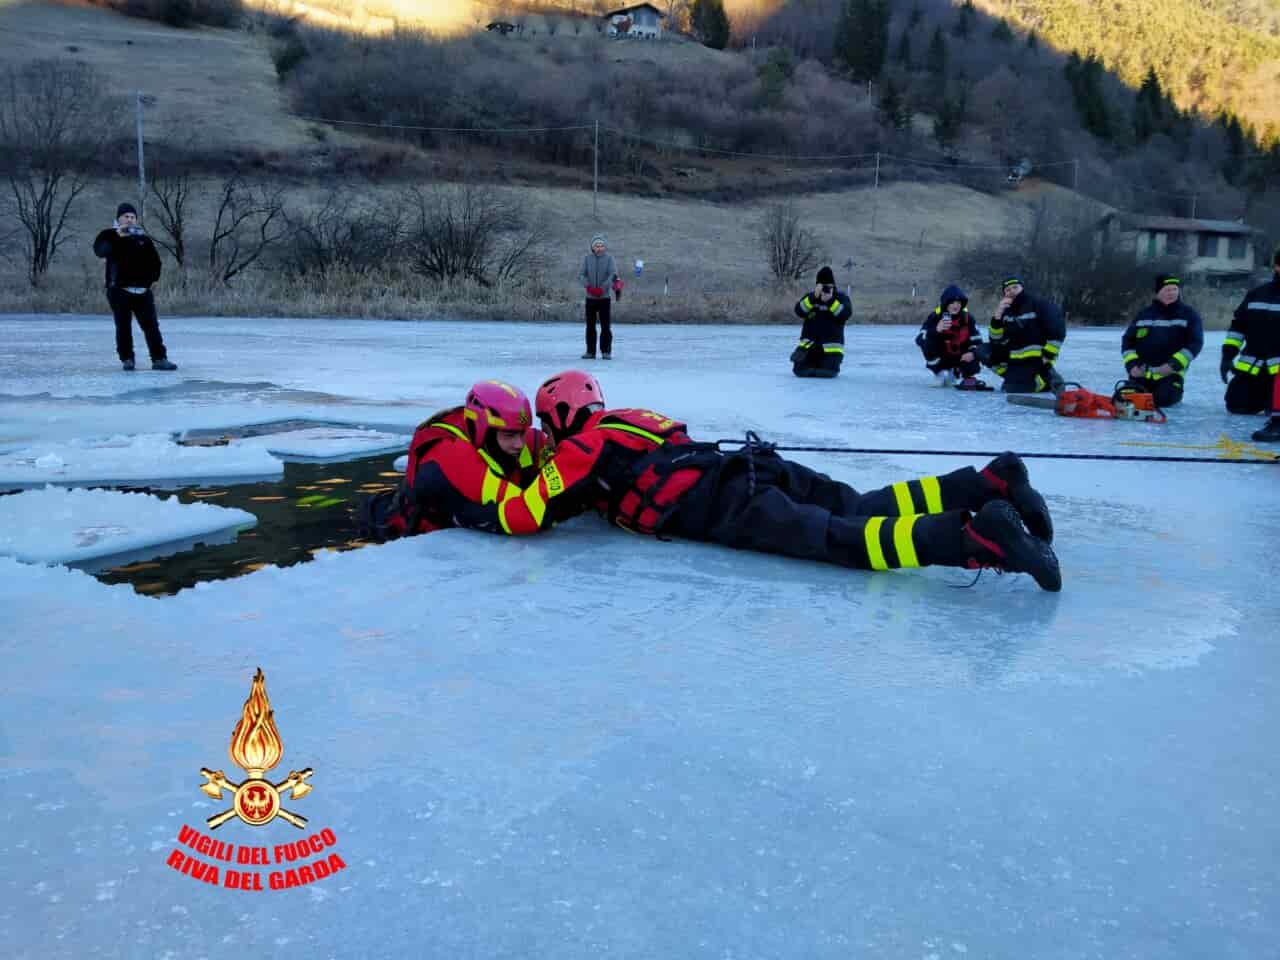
916, 15
710, 22
964, 19
1001, 32
938, 53
903, 53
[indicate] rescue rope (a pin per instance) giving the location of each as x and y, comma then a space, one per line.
754, 443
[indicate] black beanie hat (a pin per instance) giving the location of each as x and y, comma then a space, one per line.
126, 208
1167, 280
1010, 281
826, 276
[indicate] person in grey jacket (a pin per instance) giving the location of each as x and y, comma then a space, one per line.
599, 274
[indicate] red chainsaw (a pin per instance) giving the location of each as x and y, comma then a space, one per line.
1128, 402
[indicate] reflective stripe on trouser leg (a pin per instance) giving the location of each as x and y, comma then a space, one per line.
888, 542
961, 489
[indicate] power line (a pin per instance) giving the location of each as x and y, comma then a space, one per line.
409, 126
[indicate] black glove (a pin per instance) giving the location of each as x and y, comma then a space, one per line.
1225, 369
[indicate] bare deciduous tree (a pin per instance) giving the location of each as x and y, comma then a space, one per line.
472, 233
172, 190
54, 120
790, 249
250, 220
344, 233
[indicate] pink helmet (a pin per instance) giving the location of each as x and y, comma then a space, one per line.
566, 400
494, 405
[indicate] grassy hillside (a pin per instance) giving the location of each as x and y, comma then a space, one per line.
1211, 54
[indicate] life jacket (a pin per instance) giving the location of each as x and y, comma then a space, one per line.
398, 514
956, 340
644, 490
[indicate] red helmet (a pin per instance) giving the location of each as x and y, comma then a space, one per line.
494, 405
566, 400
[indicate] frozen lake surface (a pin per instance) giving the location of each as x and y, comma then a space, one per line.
590, 744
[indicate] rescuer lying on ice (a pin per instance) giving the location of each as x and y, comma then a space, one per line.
644, 473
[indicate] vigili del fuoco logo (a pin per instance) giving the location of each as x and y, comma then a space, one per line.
256, 747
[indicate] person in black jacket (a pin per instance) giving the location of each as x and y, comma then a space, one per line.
821, 348
1251, 352
132, 267
949, 339
1026, 335
1160, 343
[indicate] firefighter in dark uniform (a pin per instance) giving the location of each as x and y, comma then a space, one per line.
1026, 335
949, 340
1251, 353
482, 451
645, 474
1160, 343
824, 312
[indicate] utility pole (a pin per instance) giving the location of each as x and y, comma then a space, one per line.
142, 101
142, 177
877, 186
1193, 206
595, 175
1075, 174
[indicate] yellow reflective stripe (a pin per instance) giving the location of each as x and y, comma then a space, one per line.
1130, 357
835, 308
460, 434
806, 302
805, 343
526, 456
535, 503
932, 494
1233, 340
902, 494
1026, 353
833, 348
628, 428
489, 488
872, 534
493, 464
1183, 357
902, 542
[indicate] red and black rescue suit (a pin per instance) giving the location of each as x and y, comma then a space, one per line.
645, 474
446, 473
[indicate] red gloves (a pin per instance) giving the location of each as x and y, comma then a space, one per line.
596, 292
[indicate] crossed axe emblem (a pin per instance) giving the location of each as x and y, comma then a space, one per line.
216, 782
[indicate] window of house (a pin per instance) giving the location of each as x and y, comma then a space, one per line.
1177, 243
1208, 245
1236, 248
1152, 247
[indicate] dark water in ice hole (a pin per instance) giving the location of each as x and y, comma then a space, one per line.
311, 508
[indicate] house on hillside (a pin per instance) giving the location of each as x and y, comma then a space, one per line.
1213, 249
642, 20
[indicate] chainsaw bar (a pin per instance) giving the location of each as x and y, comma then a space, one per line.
1033, 400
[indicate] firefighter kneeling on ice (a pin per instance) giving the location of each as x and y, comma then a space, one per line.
643, 472
1160, 343
824, 312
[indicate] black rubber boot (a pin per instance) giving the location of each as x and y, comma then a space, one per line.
1008, 475
995, 538
1270, 433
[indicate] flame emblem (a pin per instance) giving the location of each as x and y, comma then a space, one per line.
256, 746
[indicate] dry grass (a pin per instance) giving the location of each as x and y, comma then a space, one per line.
705, 255
217, 84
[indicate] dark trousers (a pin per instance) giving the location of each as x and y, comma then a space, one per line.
599, 308
1032, 375
125, 306
965, 368
773, 505
1251, 393
817, 361
1166, 391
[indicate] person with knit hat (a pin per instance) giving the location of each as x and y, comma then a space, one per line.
133, 265
1161, 341
1026, 335
824, 312
598, 275
949, 340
